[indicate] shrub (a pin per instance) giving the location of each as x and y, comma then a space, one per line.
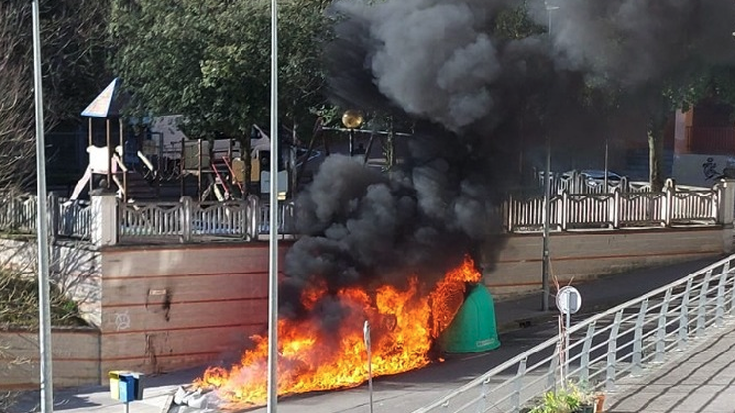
20, 295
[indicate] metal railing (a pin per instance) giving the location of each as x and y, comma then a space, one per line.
286, 219
70, 218
18, 213
248, 219
185, 219
604, 349
578, 183
66, 218
189, 220
615, 210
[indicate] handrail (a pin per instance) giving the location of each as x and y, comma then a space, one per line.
616, 209
606, 348
189, 220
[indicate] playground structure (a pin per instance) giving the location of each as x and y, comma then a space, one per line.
165, 163
172, 165
217, 166
155, 160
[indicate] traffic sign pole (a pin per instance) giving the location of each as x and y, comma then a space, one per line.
366, 336
568, 301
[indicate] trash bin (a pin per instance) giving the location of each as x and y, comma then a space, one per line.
473, 329
126, 386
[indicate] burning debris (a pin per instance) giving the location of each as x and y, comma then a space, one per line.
314, 356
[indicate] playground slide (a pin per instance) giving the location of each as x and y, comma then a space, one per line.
82, 182
98, 165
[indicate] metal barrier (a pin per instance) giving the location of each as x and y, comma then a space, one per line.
286, 218
615, 210
608, 347
249, 218
18, 212
66, 218
188, 220
70, 218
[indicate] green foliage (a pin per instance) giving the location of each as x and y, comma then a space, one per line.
567, 400
210, 60
20, 297
513, 23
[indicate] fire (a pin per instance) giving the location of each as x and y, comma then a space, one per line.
312, 358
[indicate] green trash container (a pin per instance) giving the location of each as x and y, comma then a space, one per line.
473, 329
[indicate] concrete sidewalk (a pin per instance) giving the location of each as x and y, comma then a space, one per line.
411, 390
701, 379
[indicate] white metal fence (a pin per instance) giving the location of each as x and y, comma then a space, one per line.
184, 220
627, 205
189, 220
615, 210
18, 214
608, 347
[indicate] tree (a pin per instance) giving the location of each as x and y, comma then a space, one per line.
73, 60
73, 56
682, 93
209, 61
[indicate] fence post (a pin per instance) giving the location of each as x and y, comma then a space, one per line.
253, 217
616, 208
612, 352
105, 223
509, 211
701, 304
637, 367
244, 218
186, 213
720, 311
584, 361
53, 215
668, 204
553, 367
681, 341
563, 212
515, 398
661, 331
726, 190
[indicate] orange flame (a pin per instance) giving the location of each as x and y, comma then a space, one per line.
403, 325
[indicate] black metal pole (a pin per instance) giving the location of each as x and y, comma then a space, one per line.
352, 142
547, 219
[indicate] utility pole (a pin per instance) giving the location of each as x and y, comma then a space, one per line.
545, 264
44, 307
272, 401
546, 218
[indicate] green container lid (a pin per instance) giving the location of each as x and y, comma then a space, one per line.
473, 329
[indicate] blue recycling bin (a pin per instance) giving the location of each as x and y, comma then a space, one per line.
126, 386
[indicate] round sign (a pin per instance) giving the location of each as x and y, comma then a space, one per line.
568, 300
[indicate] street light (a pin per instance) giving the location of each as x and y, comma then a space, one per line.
352, 119
545, 264
44, 307
272, 401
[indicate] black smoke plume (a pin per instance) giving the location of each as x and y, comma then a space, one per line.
480, 96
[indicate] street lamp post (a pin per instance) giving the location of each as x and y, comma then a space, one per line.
547, 217
44, 308
272, 401
352, 120
545, 263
